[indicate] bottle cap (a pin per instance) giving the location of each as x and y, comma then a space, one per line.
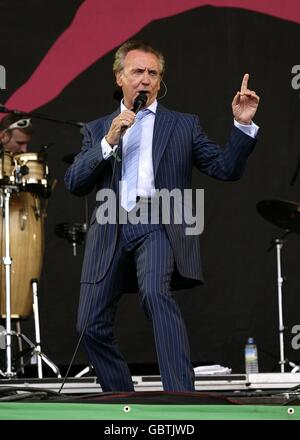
250, 340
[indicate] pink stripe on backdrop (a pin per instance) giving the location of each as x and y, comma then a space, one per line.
98, 27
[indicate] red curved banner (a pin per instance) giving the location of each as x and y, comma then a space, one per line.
99, 27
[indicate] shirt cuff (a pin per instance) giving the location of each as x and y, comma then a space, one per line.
251, 130
107, 151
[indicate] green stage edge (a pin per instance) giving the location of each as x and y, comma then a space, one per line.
91, 411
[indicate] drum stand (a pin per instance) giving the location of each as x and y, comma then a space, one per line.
7, 264
86, 370
283, 361
34, 349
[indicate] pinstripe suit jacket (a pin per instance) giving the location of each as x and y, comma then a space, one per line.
178, 144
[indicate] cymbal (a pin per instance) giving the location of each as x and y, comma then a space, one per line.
69, 158
282, 213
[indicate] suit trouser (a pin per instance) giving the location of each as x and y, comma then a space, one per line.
154, 261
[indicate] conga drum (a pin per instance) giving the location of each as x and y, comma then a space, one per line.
26, 251
30, 172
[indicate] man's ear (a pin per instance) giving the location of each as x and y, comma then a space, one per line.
4, 137
119, 80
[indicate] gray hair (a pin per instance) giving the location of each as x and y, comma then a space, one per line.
136, 45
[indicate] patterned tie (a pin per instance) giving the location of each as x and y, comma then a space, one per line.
130, 162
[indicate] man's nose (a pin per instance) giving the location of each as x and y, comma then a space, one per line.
146, 77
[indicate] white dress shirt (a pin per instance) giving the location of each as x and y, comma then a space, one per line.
145, 182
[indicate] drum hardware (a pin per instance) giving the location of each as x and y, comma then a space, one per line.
286, 215
18, 208
23, 219
20, 346
86, 370
73, 232
30, 170
19, 172
37, 211
36, 349
33, 349
22, 171
7, 265
2, 337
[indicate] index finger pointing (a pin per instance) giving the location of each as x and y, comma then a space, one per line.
244, 85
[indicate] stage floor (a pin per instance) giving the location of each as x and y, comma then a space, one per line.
263, 396
228, 382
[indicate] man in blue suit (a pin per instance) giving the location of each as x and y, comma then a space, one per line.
158, 148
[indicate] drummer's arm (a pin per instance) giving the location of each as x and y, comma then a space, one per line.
81, 177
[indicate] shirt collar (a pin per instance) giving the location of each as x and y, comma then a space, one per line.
151, 107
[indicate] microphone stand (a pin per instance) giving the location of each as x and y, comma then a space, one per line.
41, 116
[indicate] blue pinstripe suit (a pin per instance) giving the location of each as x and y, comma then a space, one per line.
163, 255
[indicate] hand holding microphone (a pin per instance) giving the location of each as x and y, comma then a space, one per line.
125, 120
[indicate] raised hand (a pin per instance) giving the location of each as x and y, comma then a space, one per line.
245, 103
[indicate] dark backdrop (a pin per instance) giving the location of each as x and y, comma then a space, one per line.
208, 50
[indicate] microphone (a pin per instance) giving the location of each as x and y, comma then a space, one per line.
139, 101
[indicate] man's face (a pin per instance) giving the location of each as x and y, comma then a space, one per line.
15, 141
141, 72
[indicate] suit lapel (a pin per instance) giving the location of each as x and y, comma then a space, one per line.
163, 126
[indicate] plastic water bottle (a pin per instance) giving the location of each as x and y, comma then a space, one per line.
251, 358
